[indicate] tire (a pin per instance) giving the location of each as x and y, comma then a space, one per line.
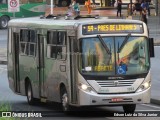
65, 100
130, 108
64, 3
4, 22
29, 92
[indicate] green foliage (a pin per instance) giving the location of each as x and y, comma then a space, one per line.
6, 107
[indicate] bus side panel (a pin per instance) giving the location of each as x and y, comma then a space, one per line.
56, 68
28, 70
51, 81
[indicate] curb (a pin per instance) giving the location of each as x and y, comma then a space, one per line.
155, 101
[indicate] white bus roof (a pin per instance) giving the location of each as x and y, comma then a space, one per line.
61, 23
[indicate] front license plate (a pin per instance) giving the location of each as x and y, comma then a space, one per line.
116, 99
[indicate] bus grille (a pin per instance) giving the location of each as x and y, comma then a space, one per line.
115, 83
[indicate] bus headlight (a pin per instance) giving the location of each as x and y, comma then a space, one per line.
144, 86
85, 87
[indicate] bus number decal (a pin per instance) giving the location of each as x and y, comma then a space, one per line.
130, 89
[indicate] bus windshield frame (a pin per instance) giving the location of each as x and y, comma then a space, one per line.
125, 58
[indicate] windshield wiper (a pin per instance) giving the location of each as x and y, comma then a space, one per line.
124, 42
104, 44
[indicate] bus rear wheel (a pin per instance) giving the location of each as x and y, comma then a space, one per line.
30, 98
64, 100
130, 108
4, 22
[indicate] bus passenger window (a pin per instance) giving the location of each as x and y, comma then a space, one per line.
52, 37
33, 36
51, 44
32, 43
53, 52
61, 45
22, 48
28, 42
32, 50
61, 38
56, 44
24, 42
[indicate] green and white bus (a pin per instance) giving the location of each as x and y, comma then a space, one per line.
102, 62
28, 8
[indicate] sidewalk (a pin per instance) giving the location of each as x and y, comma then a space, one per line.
154, 31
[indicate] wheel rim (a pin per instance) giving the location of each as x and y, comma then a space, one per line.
29, 93
4, 22
65, 101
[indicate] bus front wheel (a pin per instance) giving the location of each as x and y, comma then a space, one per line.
64, 100
4, 22
130, 108
30, 98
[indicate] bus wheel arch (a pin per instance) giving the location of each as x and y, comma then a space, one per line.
64, 98
4, 21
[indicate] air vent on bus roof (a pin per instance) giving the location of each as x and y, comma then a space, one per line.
67, 17
53, 16
86, 16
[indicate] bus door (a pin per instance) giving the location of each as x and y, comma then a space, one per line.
73, 74
61, 55
41, 65
16, 61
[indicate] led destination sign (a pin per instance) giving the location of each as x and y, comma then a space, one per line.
111, 28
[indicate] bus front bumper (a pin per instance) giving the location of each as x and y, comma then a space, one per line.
88, 98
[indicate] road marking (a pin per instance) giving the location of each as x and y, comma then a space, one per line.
151, 106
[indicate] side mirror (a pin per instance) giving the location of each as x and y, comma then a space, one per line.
151, 47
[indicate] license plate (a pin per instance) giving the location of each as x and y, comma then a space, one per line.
116, 99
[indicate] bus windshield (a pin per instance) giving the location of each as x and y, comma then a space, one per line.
125, 57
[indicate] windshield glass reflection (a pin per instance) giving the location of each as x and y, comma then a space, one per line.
132, 58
